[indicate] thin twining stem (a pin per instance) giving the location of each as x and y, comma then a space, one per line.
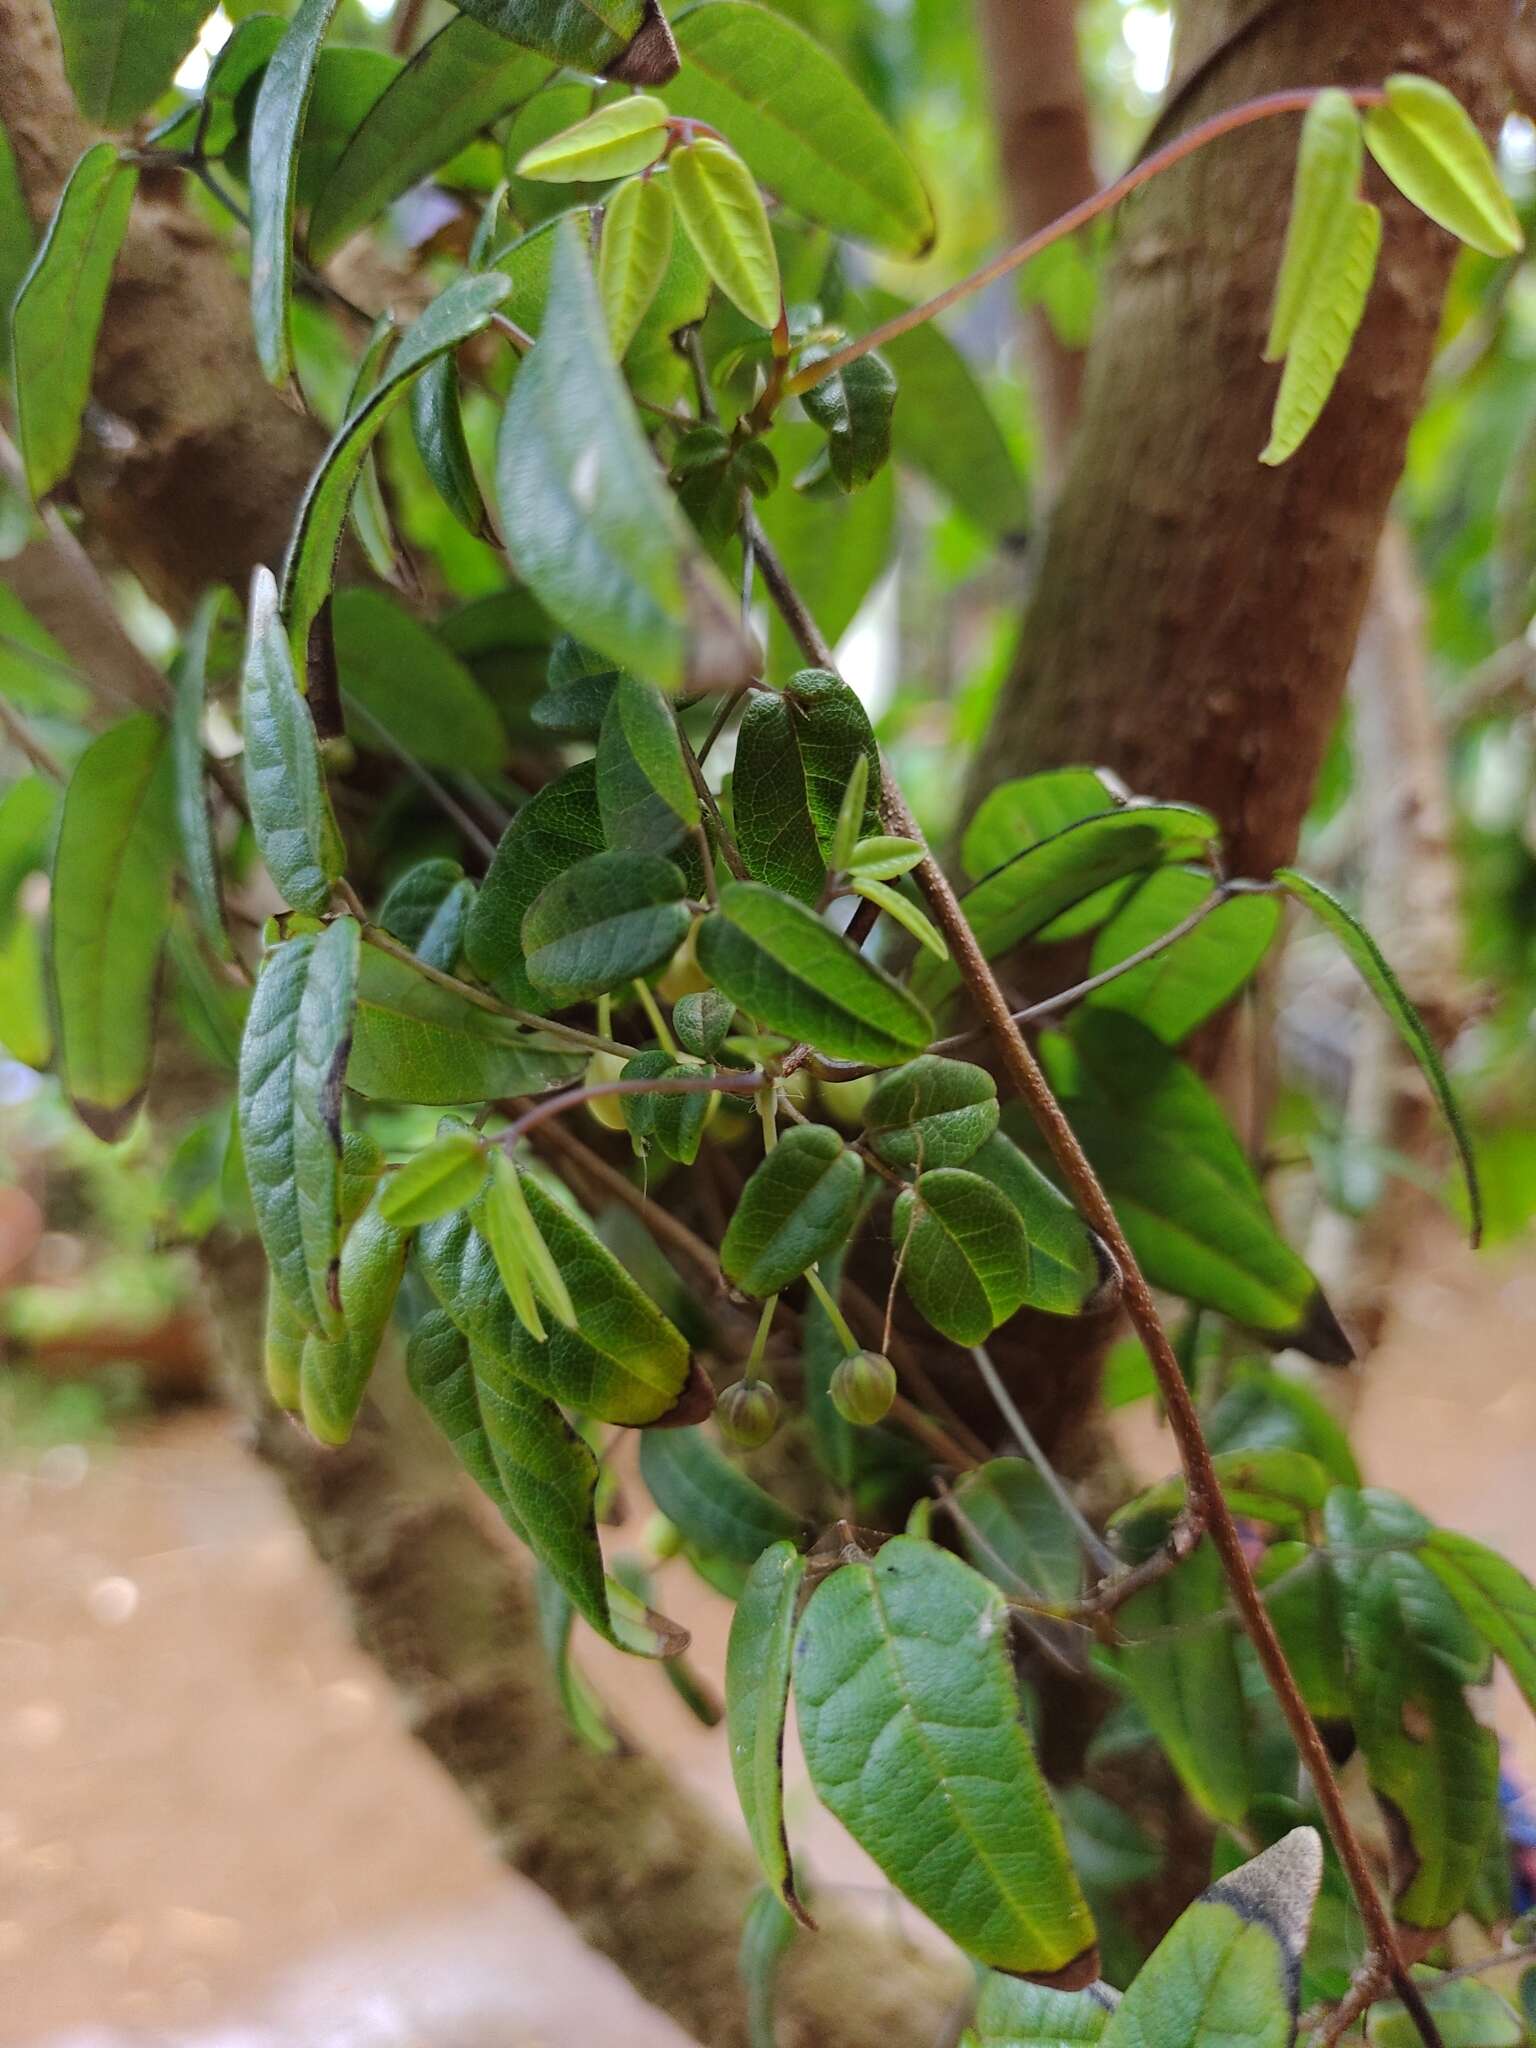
1104, 1559
1296, 100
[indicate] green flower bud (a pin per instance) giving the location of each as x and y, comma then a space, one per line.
863, 1388
748, 1414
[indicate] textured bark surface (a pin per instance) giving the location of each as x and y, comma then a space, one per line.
1195, 613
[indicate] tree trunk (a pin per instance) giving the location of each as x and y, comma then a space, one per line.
1195, 614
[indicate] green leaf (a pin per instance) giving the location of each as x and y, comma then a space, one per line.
581, 685
909, 1719
717, 1508
622, 39
767, 1930
798, 1206
636, 250
776, 960
334, 1371
290, 811
1466, 2013
703, 1022
1228, 1972
109, 909
933, 1112
1174, 992
588, 522
453, 316
57, 313
243, 57
407, 685
916, 923
796, 752
27, 813
1020, 898
946, 429
1498, 1600
848, 829
419, 1042
1011, 2014
1018, 814
964, 1253
854, 407
120, 55
26, 1028
437, 427
551, 833
1328, 165
1179, 1663
459, 82
616, 140
1280, 1486
1070, 1271
427, 910
194, 827
1185, 1194
626, 1364
18, 240
675, 1121
1378, 977
1016, 1532
1302, 1599
1263, 1409
1425, 141
583, 1708
757, 1665
1325, 325
722, 212
611, 919
369, 511
445, 1176
506, 1223
276, 128
645, 795
800, 122
437, 1364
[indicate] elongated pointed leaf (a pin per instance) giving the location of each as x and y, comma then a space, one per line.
321, 1047
334, 1372
1031, 889
437, 1364
717, 1508
617, 139
583, 1708
437, 426
638, 226
776, 960
910, 1724
57, 314
1010, 2014
1229, 1970
623, 39
1176, 991
795, 754
443, 1177
903, 911
797, 1208
645, 794
418, 1042
120, 55
109, 910
290, 811
587, 520
1325, 324
603, 923
1328, 165
458, 82
1378, 977
800, 122
199, 861
965, 1254
1425, 141
276, 129
552, 832
1498, 1600
722, 213
756, 1702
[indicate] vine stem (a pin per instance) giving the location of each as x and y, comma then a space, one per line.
1295, 100
1206, 1500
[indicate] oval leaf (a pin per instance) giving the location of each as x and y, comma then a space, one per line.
444, 1177
798, 1206
552, 832
645, 794
334, 1372
1016, 1532
416, 1041
623, 39
711, 1502
1175, 991
722, 211
934, 1112
757, 1664
796, 752
625, 136
854, 407
964, 1253
611, 919
635, 252
1425, 141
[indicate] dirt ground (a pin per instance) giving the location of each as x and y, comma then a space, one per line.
214, 1835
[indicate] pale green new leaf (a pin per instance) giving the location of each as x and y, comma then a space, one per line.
290, 811
757, 1667
1426, 142
416, 1041
109, 908
632, 260
625, 136
57, 313
611, 919
622, 39
709, 1500
723, 214
1324, 325
1328, 165
445, 1176
916, 923
909, 1720
1019, 813
964, 1253
797, 1208
1012, 2014
277, 127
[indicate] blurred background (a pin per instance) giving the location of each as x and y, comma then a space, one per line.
212, 1829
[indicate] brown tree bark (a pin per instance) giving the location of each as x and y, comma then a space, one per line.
1195, 614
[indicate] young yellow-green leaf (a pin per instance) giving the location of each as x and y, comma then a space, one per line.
796, 753
632, 259
610, 920
803, 126
645, 794
445, 1176
965, 1254
57, 313
1324, 325
910, 1723
507, 1226
757, 1665
1498, 1600
453, 316
459, 82
1016, 1532
933, 1112
885, 858
709, 1500
120, 55
624, 39
437, 427
276, 128
334, 1371
723, 213
290, 810
26, 1028
18, 240
1328, 165
199, 861
1174, 992
1228, 1972
410, 688
588, 521
915, 922
617, 140
109, 908
552, 832
427, 910
1378, 977
846, 839
1021, 812
417, 1041
776, 960
798, 1207
543, 1267
854, 408
1425, 141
